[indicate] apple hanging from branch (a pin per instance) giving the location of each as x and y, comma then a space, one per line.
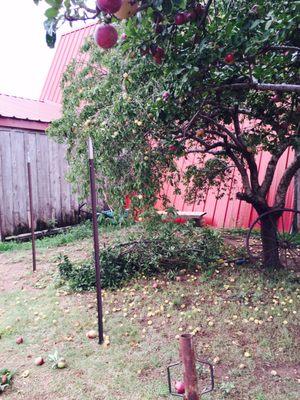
106, 36
109, 6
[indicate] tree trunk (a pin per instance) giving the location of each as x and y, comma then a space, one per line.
269, 240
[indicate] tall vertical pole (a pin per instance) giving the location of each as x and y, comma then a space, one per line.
31, 215
96, 239
187, 355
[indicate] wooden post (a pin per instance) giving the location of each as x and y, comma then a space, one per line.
31, 215
96, 239
187, 355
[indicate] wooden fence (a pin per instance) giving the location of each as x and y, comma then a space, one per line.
53, 199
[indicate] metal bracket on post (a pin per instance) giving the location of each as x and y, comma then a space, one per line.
190, 377
170, 381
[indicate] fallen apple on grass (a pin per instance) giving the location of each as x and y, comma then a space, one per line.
179, 386
19, 340
61, 364
39, 361
91, 334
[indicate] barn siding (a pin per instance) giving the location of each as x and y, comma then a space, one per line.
228, 211
52, 194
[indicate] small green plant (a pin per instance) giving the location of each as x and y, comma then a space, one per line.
52, 223
65, 267
226, 388
57, 361
5, 379
260, 396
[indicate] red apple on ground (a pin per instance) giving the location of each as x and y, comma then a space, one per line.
106, 36
3, 379
19, 340
91, 334
109, 6
39, 361
127, 10
229, 58
179, 386
155, 285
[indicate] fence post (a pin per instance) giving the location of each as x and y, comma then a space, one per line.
187, 355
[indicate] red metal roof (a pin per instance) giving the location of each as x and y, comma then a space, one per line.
68, 49
26, 109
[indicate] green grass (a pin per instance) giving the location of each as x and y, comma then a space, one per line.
235, 310
72, 234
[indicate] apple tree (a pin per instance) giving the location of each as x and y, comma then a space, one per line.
219, 80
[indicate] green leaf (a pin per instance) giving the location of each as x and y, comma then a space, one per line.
268, 24
54, 3
51, 12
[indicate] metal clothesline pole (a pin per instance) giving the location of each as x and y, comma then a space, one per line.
96, 239
31, 215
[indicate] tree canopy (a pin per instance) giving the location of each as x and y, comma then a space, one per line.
219, 80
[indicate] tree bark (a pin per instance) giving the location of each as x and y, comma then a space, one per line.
270, 246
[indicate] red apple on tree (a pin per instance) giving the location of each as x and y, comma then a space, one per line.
229, 58
180, 19
106, 36
109, 6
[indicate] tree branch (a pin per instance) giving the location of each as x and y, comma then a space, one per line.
285, 182
281, 48
275, 87
270, 170
242, 170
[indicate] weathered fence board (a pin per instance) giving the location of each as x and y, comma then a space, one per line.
53, 198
